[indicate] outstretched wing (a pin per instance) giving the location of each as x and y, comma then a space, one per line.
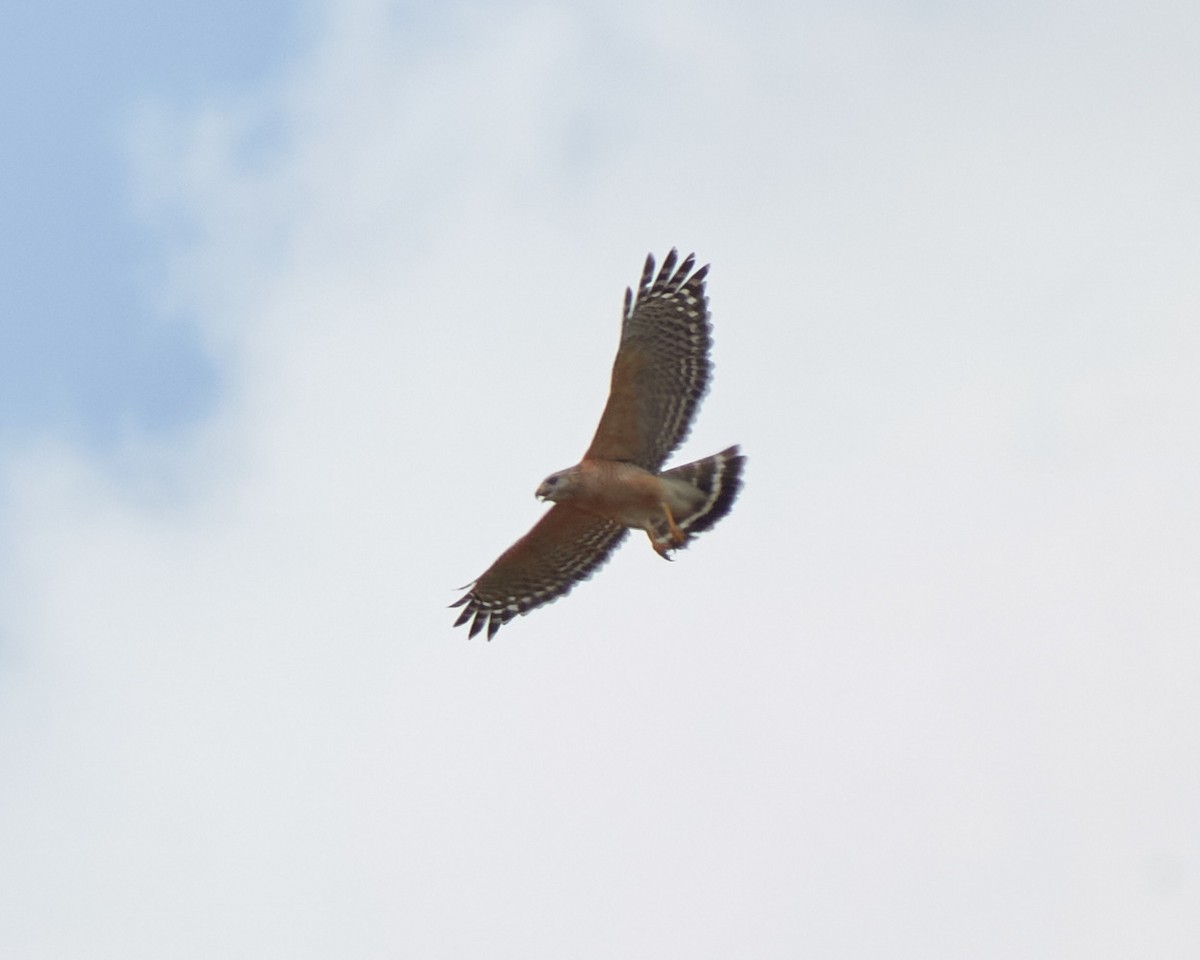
662, 366
563, 548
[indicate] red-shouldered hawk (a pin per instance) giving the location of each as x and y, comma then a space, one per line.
659, 377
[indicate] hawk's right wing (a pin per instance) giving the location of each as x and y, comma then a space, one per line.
566, 546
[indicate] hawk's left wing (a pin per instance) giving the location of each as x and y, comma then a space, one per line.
662, 366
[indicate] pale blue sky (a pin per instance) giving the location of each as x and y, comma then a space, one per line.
83, 350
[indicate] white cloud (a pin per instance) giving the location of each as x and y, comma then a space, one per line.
930, 691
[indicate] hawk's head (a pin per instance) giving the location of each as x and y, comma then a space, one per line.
559, 486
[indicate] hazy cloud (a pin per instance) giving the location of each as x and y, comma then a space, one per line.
931, 690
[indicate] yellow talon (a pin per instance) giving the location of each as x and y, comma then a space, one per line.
659, 548
678, 537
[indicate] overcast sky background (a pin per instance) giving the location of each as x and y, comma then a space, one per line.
301, 303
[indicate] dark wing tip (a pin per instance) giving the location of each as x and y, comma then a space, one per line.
668, 264
481, 617
643, 284
482, 614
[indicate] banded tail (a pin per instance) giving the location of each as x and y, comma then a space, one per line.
708, 487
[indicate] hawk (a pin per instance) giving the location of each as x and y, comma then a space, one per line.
659, 377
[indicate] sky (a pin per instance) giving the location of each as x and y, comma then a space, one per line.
302, 302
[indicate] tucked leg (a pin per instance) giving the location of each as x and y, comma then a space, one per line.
677, 535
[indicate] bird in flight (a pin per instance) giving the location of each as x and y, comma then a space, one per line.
660, 375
